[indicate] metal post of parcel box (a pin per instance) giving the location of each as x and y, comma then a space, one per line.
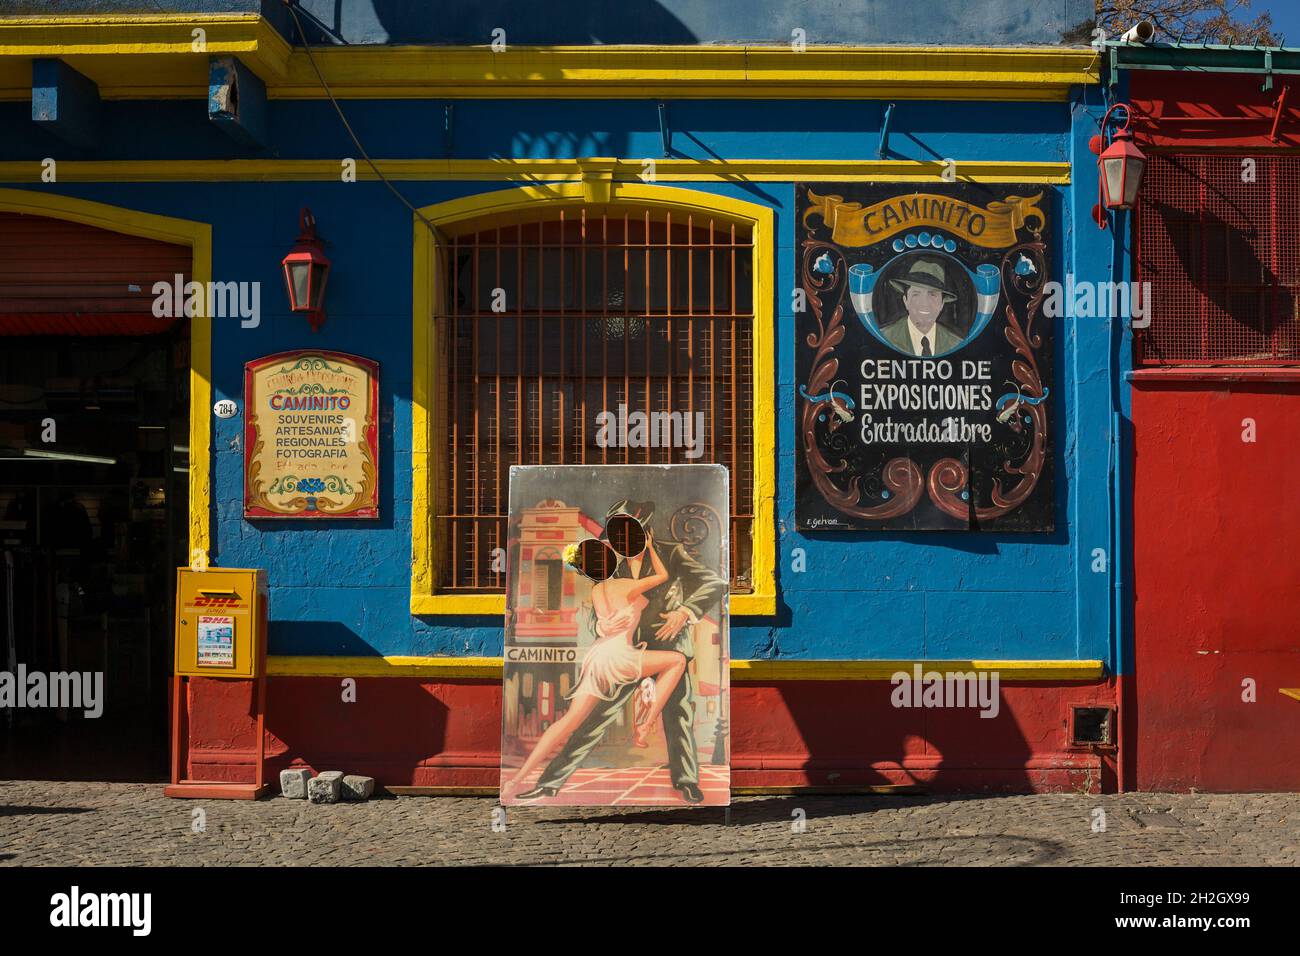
221, 616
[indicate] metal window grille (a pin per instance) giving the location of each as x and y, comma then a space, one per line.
548, 322
1216, 242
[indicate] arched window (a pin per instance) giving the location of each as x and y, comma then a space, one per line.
550, 320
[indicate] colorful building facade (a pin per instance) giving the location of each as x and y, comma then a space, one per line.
635, 187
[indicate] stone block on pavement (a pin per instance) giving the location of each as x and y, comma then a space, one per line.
293, 783
356, 787
323, 789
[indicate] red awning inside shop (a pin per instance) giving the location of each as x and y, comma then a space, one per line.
77, 323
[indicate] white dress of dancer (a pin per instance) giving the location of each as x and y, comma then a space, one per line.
613, 660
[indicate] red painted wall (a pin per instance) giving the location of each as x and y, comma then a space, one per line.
408, 731
1217, 587
1190, 110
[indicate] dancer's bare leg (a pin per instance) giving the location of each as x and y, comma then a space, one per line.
554, 737
667, 668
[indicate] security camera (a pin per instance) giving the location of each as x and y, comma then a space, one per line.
1140, 32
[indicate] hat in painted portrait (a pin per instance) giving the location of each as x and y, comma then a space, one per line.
928, 274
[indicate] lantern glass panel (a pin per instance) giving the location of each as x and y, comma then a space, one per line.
1113, 170
299, 284
319, 273
1133, 181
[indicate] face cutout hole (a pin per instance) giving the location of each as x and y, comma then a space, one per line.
596, 559
625, 534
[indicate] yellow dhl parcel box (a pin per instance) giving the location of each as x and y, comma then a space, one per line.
221, 622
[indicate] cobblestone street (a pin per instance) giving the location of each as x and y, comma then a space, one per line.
133, 824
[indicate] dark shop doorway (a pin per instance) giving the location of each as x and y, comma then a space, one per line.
94, 464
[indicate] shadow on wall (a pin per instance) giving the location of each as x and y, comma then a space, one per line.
392, 729
852, 734
312, 638
848, 733
472, 22
1221, 260
386, 728
683, 22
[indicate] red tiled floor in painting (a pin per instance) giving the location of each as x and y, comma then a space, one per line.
634, 786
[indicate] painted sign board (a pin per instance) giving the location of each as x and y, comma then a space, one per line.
616, 686
923, 359
311, 436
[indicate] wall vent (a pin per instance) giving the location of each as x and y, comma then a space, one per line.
1091, 726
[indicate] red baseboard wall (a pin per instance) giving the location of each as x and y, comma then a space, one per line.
446, 733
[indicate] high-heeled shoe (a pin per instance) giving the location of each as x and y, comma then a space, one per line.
639, 732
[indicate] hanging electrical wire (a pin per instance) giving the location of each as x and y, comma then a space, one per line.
293, 12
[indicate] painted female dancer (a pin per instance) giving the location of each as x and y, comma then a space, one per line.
613, 660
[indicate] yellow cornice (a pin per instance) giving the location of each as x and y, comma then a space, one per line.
124, 52
760, 671
692, 72
541, 170
141, 56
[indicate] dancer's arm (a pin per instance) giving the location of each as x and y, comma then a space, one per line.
656, 579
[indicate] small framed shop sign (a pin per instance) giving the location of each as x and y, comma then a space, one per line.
311, 436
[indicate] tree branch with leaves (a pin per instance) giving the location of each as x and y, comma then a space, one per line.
1191, 21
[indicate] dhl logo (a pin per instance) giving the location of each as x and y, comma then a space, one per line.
202, 601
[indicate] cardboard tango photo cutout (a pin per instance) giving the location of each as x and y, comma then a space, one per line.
615, 688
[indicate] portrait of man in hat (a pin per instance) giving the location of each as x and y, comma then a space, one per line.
926, 293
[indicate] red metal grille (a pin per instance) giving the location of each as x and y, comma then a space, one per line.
594, 308
1219, 250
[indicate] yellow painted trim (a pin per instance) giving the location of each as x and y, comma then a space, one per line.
1013, 73
184, 232
540, 170
152, 56
425, 412
765, 670
115, 41
443, 667
746, 670
491, 605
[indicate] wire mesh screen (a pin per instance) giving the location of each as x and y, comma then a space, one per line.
550, 323
1216, 242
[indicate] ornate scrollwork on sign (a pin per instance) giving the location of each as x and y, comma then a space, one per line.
899, 485
949, 476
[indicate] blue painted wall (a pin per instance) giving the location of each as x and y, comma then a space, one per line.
344, 588
664, 22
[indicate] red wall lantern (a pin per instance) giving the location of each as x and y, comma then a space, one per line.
306, 270
1120, 166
